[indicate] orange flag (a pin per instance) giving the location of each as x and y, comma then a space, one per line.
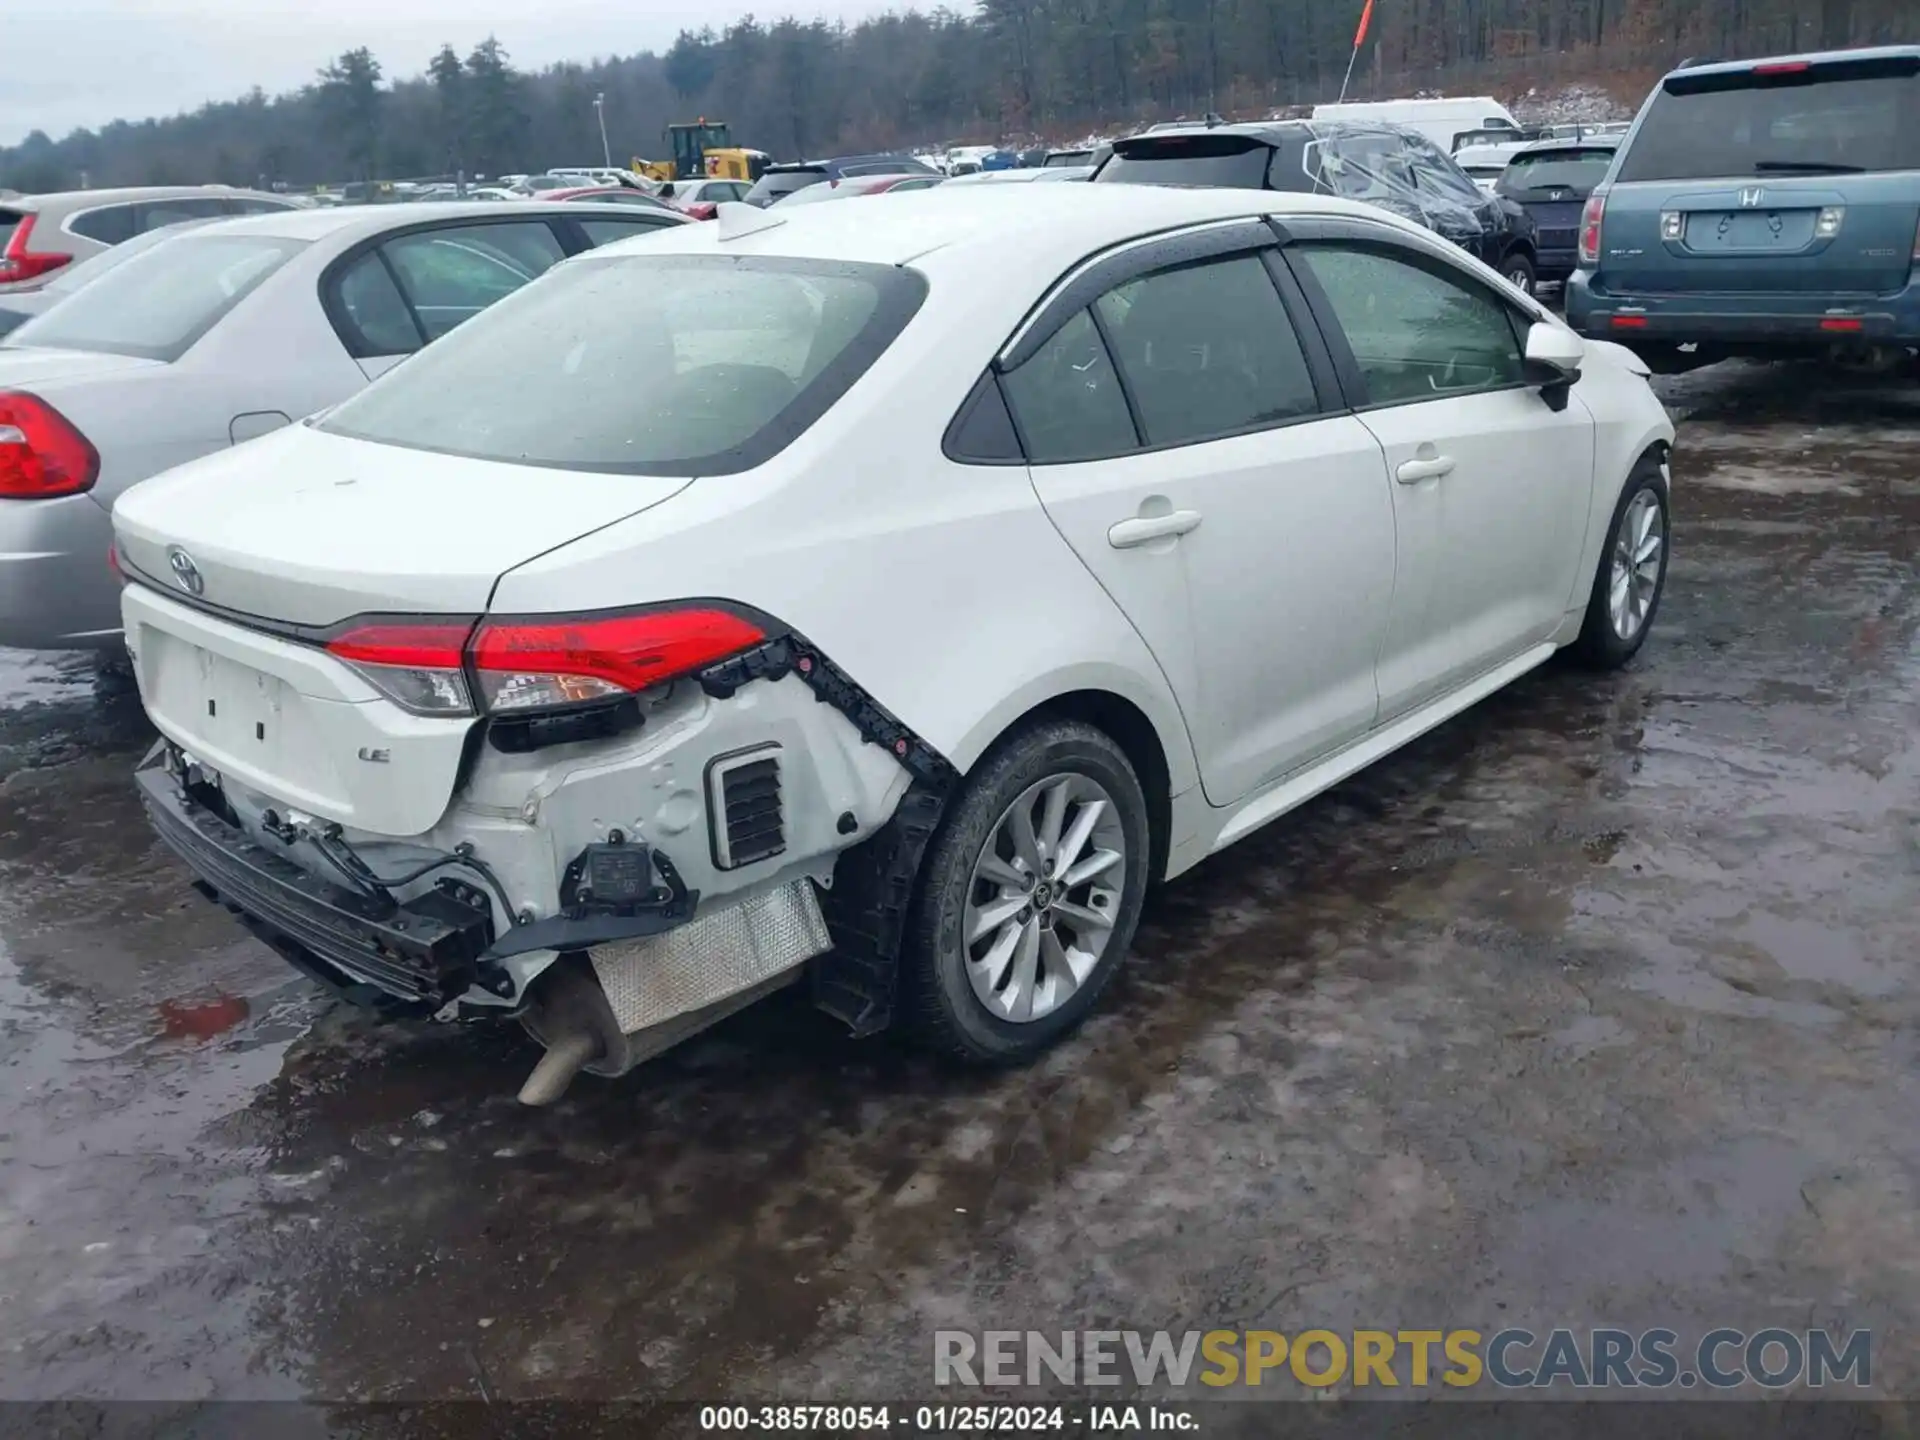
1366, 18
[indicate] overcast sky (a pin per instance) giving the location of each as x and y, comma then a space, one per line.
67, 63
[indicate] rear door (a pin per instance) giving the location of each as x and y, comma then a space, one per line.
1491, 485
1192, 449
1793, 176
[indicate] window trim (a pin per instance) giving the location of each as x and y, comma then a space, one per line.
328, 285
1100, 272
1137, 260
1421, 257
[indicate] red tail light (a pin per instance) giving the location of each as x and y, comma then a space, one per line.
536, 664
533, 664
417, 664
1590, 222
17, 262
703, 210
1784, 67
41, 454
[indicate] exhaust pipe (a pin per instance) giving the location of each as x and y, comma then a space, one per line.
566, 1057
570, 1016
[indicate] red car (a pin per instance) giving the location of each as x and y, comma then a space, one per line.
701, 198
850, 187
608, 195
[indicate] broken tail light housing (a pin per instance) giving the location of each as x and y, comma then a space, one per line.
536, 666
1591, 219
42, 456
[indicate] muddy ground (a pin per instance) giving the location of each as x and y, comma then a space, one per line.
1595, 1007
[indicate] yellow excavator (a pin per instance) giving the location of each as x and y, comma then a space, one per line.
704, 148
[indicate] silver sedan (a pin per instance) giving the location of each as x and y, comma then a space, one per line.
216, 336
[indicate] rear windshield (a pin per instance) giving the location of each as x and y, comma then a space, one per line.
157, 304
770, 187
1829, 119
8, 219
644, 364
1559, 170
1234, 162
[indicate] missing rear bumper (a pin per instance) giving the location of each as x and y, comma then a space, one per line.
424, 951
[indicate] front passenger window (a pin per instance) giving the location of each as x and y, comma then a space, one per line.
1067, 400
1416, 333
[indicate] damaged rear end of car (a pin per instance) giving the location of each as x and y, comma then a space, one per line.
616, 819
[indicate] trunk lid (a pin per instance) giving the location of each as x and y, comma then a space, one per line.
290, 535
28, 366
308, 529
1797, 175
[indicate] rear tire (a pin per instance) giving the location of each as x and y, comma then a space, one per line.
1016, 932
1632, 573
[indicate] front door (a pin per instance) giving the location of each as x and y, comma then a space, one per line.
1490, 484
1181, 445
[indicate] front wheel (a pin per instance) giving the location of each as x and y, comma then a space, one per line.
1632, 574
1517, 270
1029, 897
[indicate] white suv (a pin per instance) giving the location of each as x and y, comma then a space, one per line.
882, 596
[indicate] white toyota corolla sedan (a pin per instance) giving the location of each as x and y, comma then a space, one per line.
878, 596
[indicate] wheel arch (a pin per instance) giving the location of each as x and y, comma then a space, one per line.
1127, 725
1095, 688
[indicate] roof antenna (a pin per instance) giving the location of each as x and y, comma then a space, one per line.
737, 218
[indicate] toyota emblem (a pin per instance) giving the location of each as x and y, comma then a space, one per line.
185, 573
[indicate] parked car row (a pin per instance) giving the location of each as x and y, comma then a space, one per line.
594, 669
197, 341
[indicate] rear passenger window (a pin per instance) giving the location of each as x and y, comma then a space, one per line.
373, 317
1416, 333
1067, 401
156, 213
1207, 350
247, 205
109, 225
452, 275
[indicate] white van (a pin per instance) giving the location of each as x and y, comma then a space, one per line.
1439, 120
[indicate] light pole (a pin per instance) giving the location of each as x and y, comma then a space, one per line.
600, 111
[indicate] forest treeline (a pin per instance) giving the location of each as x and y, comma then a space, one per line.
1007, 68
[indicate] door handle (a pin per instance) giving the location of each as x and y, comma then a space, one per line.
1414, 471
1145, 529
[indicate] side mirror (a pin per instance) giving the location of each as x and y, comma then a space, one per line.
1553, 362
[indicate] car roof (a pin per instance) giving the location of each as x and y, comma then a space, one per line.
1812, 57
90, 199
985, 230
1570, 142
356, 221
1275, 132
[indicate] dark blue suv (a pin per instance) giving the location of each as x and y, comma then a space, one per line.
1765, 208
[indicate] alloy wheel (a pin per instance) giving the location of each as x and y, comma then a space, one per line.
1044, 897
1638, 552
